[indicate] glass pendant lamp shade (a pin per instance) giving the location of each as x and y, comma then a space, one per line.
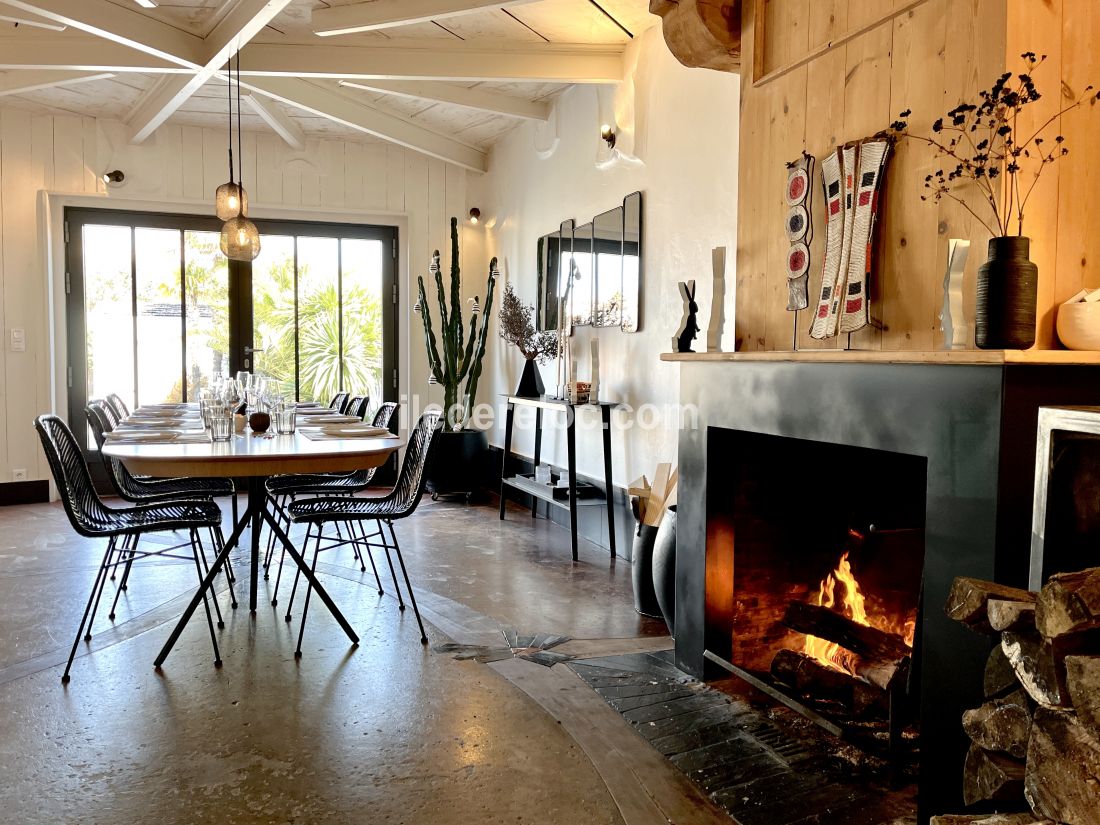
230, 201
240, 239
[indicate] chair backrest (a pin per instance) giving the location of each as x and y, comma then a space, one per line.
118, 406
339, 402
405, 495
383, 416
87, 513
99, 419
357, 406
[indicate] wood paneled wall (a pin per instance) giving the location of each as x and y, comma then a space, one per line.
822, 72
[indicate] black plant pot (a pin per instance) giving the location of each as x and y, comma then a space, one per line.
641, 571
530, 381
1007, 284
664, 568
453, 465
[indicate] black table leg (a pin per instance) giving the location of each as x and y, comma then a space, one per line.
257, 507
538, 455
609, 490
508, 418
571, 449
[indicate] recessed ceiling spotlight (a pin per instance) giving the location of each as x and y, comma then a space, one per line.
475, 215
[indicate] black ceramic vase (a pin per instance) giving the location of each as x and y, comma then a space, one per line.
1007, 283
664, 568
641, 571
530, 381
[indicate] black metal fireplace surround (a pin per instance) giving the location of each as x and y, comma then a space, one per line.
971, 427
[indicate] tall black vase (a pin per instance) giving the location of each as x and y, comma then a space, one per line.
1007, 284
530, 382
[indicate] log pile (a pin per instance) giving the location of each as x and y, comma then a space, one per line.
1035, 742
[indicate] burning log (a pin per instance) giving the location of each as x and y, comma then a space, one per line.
1001, 725
988, 819
969, 599
883, 656
1063, 768
811, 678
1006, 615
1069, 603
1083, 683
991, 777
1032, 659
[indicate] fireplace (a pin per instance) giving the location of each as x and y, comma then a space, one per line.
816, 551
939, 458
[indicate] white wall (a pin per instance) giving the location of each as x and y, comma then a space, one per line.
681, 126
49, 162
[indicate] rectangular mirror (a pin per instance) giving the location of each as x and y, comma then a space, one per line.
632, 263
582, 291
607, 239
546, 309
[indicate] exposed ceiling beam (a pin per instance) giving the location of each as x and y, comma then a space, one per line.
16, 83
384, 14
450, 93
280, 122
331, 104
243, 23
82, 54
125, 26
33, 21
535, 64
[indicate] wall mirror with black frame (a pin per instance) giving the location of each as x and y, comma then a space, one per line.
606, 258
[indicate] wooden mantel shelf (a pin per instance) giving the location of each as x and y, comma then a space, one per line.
835, 356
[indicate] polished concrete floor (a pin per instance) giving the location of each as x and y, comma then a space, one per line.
389, 732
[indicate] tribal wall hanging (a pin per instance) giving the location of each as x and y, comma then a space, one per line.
851, 178
800, 230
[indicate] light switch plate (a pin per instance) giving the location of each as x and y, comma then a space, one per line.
18, 340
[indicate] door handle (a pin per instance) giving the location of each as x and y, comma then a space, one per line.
250, 350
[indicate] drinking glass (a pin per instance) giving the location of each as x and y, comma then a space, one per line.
285, 419
221, 422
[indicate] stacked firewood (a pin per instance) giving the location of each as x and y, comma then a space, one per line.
1036, 740
879, 660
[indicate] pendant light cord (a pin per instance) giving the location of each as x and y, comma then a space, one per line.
230, 95
240, 152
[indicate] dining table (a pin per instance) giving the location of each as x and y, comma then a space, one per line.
256, 457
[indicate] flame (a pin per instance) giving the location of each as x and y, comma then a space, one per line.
840, 591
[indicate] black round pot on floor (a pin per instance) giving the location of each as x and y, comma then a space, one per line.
455, 463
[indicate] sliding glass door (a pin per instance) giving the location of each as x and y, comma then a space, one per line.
155, 310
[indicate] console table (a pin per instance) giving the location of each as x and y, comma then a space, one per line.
541, 403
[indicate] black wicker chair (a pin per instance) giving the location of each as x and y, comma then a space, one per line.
358, 406
124, 527
282, 488
339, 402
401, 502
117, 406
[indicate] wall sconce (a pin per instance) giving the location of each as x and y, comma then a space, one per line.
113, 177
608, 134
475, 215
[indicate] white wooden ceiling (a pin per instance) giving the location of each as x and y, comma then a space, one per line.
165, 64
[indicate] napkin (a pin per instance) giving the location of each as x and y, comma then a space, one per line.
332, 432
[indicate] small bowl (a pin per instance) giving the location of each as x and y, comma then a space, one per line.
1078, 325
259, 422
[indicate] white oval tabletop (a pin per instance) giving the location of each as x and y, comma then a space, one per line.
254, 455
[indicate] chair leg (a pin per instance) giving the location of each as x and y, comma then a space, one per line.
120, 588
408, 585
389, 561
358, 525
219, 545
103, 584
200, 555
279, 575
233, 496
100, 578
309, 592
206, 603
298, 570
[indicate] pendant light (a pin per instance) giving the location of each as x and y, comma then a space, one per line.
240, 240
229, 200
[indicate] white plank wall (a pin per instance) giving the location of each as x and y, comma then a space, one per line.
183, 165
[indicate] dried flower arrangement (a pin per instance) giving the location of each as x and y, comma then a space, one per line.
516, 327
984, 143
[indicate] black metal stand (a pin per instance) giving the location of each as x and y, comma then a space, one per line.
255, 515
556, 404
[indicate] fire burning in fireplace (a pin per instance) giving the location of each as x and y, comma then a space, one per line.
840, 591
